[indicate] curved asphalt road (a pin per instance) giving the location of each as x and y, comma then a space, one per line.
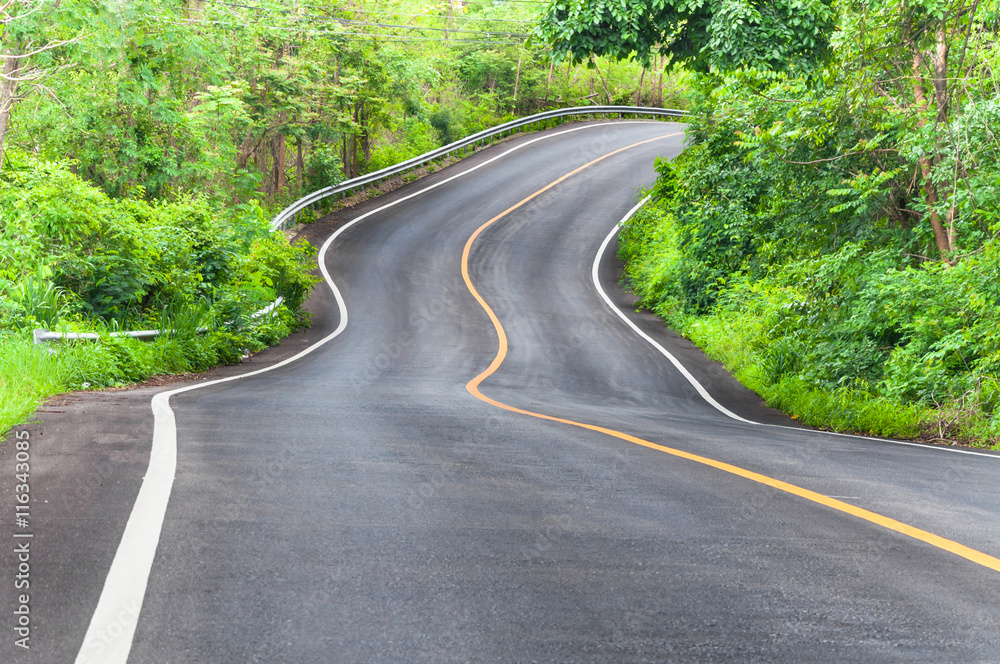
361, 506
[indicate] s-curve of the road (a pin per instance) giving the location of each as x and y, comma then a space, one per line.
487, 463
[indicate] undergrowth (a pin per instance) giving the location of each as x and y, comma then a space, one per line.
31, 372
73, 259
853, 341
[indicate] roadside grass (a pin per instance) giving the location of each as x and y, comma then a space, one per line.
30, 373
848, 341
735, 341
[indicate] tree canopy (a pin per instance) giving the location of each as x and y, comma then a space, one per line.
701, 34
835, 237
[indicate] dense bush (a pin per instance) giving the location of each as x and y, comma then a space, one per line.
794, 239
73, 259
856, 339
66, 245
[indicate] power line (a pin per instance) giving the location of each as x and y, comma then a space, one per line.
459, 17
362, 11
454, 16
330, 33
345, 21
417, 27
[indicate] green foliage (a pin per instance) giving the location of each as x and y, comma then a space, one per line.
74, 259
34, 301
122, 259
855, 339
150, 142
402, 141
511, 75
796, 239
704, 34
235, 102
325, 169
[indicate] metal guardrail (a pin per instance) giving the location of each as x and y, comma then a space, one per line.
287, 216
268, 309
41, 335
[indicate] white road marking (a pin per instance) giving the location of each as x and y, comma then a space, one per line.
701, 388
109, 637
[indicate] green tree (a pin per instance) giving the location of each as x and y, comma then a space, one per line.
32, 32
702, 34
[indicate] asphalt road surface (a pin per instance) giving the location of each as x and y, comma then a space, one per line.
578, 501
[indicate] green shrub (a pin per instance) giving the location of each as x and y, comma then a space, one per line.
73, 259
324, 168
856, 338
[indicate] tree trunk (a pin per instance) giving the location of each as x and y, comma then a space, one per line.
604, 83
245, 151
265, 170
299, 164
659, 85
366, 138
943, 102
344, 157
277, 143
517, 76
930, 189
278, 155
941, 75
12, 68
354, 156
354, 144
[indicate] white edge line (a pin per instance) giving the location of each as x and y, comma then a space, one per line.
701, 388
112, 628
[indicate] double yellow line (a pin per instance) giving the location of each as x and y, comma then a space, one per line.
973, 555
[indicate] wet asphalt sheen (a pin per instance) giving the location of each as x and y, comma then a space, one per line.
361, 506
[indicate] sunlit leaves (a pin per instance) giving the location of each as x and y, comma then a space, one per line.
704, 34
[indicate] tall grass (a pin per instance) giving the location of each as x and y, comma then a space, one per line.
28, 374
40, 299
737, 342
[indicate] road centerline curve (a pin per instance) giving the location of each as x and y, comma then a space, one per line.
701, 388
110, 633
473, 387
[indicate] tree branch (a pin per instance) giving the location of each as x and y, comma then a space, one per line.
778, 101
47, 47
837, 158
9, 18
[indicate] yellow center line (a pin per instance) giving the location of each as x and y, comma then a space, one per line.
968, 553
